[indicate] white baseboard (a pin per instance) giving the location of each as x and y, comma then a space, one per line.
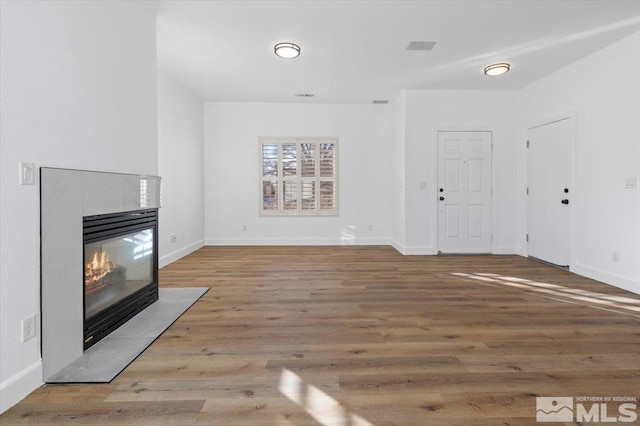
420, 250
507, 250
18, 386
297, 242
172, 257
405, 250
430, 251
399, 247
607, 277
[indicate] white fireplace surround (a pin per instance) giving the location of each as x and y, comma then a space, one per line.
66, 196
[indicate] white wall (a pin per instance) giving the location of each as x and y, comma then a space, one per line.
398, 213
232, 173
181, 165
78, 91
604, 92
426, 111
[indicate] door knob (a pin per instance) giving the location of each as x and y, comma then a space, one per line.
565, 201
441, 198
441, 189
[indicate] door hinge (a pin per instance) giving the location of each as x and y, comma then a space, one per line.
527, 237
527, 144
527, 190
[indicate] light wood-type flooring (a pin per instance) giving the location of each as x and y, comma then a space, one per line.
359, 336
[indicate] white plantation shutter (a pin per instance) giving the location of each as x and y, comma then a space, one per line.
269, 159
327, 195
327, 176
289, 159
270, 195
298, 176
327, 159
308, 195
289, 195
270, 167
308, 160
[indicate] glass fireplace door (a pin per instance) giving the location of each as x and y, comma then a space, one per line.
116, 268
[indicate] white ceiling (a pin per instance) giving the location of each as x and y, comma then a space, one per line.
355, 51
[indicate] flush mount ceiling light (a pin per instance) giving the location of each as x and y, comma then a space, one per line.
497, 69
287, 50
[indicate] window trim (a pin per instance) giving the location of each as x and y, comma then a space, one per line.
299, 212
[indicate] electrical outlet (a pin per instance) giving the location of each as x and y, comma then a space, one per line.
173, 239
28, 328
244, 227
370, 227
630, 182
615, 257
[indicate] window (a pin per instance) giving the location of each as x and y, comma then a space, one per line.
298, 176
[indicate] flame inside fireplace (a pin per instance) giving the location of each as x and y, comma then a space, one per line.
98, 267
100, 273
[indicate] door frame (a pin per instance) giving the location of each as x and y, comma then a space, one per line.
567, 115
494, 180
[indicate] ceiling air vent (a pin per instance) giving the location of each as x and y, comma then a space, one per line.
380, 101
421, 45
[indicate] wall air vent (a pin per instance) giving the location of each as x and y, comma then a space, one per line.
380, 101
304, 95
421, 45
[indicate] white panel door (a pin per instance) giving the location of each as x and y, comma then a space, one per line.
464, 192
550, 193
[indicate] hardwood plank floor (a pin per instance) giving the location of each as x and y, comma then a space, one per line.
364, 336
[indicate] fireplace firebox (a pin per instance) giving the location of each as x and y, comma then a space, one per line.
120, 269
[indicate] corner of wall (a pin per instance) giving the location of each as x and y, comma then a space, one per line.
399, 247
180, 253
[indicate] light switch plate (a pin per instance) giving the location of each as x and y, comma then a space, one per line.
27, 173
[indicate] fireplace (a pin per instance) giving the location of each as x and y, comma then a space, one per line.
84, 213
120, 269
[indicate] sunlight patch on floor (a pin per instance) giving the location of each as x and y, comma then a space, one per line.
579, 295
323, 408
